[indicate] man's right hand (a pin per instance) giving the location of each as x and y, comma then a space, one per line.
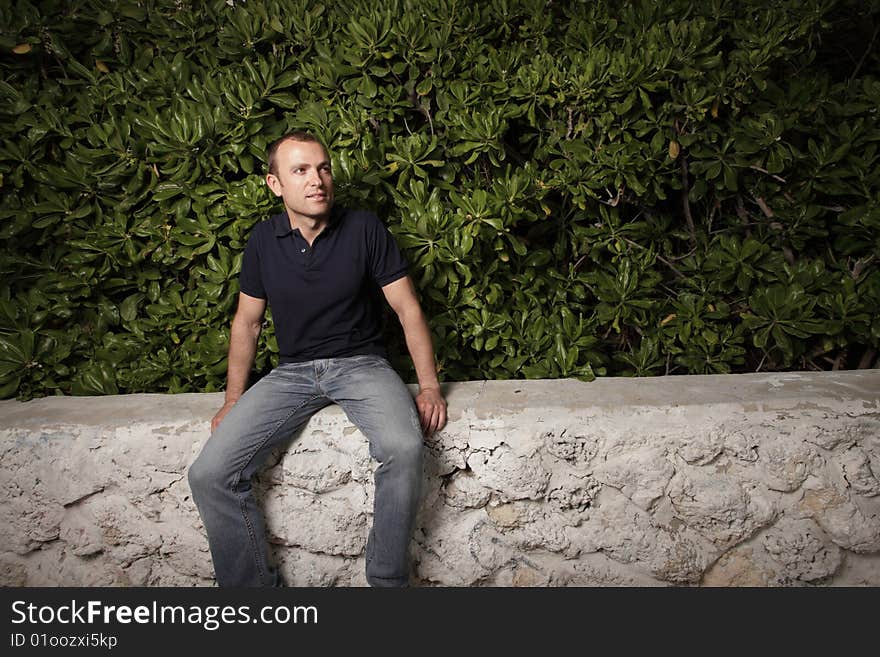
217, 419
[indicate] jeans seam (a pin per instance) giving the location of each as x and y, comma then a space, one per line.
237, 479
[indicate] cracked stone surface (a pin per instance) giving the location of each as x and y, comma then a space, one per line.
740, 480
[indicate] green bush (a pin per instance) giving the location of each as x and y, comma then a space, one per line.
583, 188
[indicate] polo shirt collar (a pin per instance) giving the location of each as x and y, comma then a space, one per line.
281, 223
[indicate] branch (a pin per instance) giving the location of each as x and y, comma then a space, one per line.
658, 256
866, 359
772, 175
764, 207
865, 54
685, 202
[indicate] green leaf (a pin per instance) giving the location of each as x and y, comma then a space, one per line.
18, 348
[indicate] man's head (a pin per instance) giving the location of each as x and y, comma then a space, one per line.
297, 135
299, 172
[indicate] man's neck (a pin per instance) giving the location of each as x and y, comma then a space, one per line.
309, 227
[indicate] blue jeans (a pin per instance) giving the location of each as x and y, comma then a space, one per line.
267, 415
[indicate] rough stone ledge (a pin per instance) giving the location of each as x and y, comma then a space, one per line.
752, 479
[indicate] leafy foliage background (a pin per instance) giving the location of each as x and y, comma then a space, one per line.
583, 188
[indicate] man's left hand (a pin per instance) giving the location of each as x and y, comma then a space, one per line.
432, 410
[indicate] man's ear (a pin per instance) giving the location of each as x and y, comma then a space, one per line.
274, 183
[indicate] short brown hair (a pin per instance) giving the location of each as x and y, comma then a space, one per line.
297, 135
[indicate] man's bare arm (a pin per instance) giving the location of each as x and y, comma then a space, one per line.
401, 296
246, 327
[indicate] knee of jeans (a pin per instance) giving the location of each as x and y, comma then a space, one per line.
202, 476
408, 453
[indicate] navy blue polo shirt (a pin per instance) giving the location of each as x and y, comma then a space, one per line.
325, 298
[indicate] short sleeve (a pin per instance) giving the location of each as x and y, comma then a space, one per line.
387, 263
250, 281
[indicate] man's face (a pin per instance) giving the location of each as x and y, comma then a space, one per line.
303, 179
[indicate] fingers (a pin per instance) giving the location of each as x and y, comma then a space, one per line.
428, 423
432, 416
425, 418
425, 412
438, 417
218, 418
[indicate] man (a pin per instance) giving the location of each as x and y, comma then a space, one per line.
319, 269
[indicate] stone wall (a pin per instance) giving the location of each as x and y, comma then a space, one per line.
759, 479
